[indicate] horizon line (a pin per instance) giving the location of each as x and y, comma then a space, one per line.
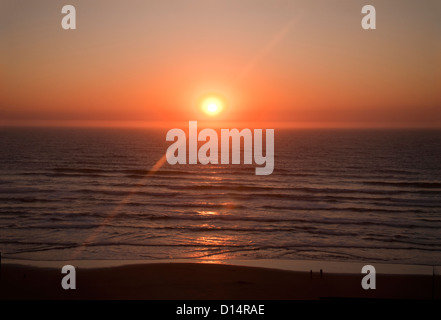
219, 124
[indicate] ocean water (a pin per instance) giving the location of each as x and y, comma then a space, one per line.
337, 195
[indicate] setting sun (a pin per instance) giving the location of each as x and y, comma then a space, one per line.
212, 105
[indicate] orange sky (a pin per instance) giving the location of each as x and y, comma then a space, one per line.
304, 62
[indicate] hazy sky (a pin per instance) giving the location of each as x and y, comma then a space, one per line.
297, 61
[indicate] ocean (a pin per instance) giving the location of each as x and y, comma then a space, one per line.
335, 194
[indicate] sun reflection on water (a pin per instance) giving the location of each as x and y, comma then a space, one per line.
214, 248
207, 213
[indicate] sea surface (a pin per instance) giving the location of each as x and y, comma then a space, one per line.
336, 195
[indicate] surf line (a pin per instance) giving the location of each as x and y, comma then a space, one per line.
208, 152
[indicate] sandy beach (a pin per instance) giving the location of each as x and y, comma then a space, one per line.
176, 281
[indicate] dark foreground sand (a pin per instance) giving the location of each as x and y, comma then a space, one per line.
184, 281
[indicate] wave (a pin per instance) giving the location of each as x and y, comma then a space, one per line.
342, 209
312, 230
285, 246
126, 193
26, 200
129, 202
143, 172
241, 187
295, 221
405, 184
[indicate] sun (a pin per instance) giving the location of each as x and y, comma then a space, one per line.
212, 108
212, 105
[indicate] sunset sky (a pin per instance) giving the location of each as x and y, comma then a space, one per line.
300, 62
